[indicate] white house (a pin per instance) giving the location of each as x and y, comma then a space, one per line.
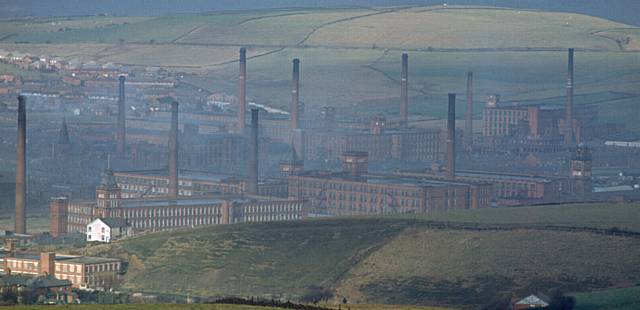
107, 229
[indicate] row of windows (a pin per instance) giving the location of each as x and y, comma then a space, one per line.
174, 222
22, 265
156, 212
69, 268
271, 217
115, 266
271, 208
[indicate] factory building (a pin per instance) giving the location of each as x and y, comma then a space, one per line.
534, 121
354, 191
152, 214
379, 141
507, 186
526, 188
82, 271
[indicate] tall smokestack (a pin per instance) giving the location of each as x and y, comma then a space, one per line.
295, 88
21, 168
242, 91
120, 135
404, 90
173, 151
468, 120
451, 138
252, 184
568, 136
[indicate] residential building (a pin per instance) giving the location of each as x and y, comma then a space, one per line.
107, 229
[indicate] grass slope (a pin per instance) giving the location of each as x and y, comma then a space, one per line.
450, 27
149, 307
620, 299
249, 260
596, 215
209, 307
388, 260
350, 57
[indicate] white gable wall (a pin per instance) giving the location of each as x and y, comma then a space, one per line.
97, 230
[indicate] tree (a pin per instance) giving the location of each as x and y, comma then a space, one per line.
561, 302
8, 296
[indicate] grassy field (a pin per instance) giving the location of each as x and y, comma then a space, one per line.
459, 27
350, 57
458, 267
599, 215
465, 27
619, 299
388, 260
211, 307
149, 307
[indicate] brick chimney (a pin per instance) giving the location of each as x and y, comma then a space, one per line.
21, 168
404, 90
295, 88
468, 118
568, 136
48, 263
121, 126
252, 184
242, 91
451, 138
173, 152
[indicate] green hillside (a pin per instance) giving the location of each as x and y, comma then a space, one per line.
399, 28
390, 260
145, 307
207, 307
619, 299
350, 57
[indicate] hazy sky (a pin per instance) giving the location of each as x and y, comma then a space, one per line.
627, 11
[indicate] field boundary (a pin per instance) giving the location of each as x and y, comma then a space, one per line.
442, 225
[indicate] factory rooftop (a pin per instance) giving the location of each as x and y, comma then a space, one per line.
383, 179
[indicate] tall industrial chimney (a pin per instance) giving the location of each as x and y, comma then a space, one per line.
252, 184
120, 135
404, 90
568, 136
21, 168
173, 151
468, 119
242, 92
295, 87
451, 138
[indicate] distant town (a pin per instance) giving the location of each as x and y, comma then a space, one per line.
109, 152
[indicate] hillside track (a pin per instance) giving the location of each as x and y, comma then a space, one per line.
615, 232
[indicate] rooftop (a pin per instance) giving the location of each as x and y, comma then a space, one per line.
170, 202
64, 258
484, 175
183, 175
384, 179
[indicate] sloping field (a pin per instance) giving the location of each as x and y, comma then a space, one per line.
619, 299
458, 267
459, 27
397, 28
390, 260
350, 58
606, 216
208, 307
284, 28
149, 307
